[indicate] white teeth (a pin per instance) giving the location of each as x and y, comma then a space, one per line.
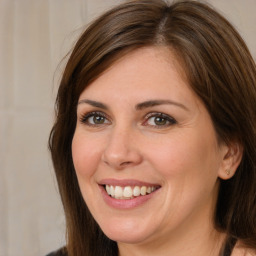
128, 192
149, 190
108, 189
112, 191
143, 191
136, 191
118, 192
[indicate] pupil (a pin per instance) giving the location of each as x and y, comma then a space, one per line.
160, 121
98, 120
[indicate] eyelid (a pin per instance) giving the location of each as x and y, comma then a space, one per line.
170, 119
84, 117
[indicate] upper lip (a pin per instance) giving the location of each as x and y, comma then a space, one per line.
127, 182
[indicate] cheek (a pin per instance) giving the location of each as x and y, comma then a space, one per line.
189, 168
189, 156
86, 155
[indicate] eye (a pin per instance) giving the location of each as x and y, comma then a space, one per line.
95, 119
159, 120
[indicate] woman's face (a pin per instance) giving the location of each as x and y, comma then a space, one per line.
144, 136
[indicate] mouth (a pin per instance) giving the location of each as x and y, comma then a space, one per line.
129, 192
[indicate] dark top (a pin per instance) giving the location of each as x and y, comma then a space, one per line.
227, 250
60, 252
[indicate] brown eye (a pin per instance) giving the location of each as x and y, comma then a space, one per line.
95, 119
159, 120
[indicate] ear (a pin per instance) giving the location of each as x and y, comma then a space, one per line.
231, 158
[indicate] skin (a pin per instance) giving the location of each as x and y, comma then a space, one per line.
183, 156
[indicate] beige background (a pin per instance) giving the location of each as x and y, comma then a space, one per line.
34, 36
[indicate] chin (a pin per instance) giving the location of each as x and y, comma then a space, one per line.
127, 238
127, 233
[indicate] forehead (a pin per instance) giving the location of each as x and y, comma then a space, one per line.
155, 68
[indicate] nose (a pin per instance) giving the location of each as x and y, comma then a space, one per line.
121, 149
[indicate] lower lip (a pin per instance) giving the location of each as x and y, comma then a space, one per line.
126, 203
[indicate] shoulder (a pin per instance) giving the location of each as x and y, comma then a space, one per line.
60, 252
239, 250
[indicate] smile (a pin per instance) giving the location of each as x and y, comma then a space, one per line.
129, 192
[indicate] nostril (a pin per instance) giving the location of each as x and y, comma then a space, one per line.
121, 158
121, 165
125, 163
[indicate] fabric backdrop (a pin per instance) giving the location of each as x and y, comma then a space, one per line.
34, 36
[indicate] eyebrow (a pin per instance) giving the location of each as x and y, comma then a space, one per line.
152, 103
140, 106
94, 103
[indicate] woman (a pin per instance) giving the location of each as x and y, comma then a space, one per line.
154, 140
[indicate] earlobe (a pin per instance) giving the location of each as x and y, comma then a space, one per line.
232, 157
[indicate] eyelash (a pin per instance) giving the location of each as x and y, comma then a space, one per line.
169, 120
85, 118
166, 118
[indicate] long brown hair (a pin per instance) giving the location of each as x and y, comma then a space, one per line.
218, 67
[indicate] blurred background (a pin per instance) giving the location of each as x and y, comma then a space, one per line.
35, 35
